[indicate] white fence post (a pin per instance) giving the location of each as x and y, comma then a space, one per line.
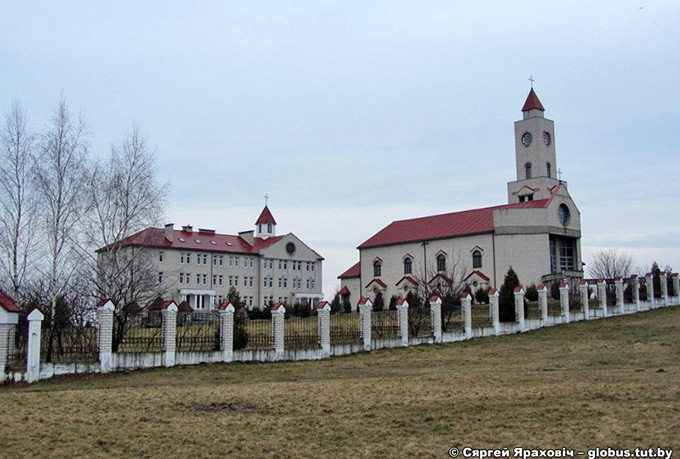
169, 329
663, 278
466, 310
493, 311
105, 311
35, 319
278, 328
365, 308
649, 282
542, 290
9, 318
583, 289
436, 315
618, 282
635, 283
564, 301
519, 307
602, 295
324, 325
226, 313
402, 315
676, 287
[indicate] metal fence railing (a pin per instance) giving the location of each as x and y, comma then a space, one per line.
481, 316
301, 332
198, 332
532, 310
420, 322
554, 307
138, 332
345, 328
258, 333
384, 324
452, 318
17, 347
69, 345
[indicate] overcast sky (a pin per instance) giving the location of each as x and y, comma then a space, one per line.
350, 115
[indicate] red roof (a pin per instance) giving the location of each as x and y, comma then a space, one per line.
492, 291
583, 282
8, 303
400, 301
443, 276
322, 304
478, 273
277, 306
434, 298
475, 221
344, 291
377, 281
265, 217
354, 271
464, 294
532, 102
518, 289
208, 242
408, 279
363, 301
104, 301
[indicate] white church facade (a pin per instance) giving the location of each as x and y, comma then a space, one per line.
537, 233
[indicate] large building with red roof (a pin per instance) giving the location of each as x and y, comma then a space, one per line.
537, 232
200, 266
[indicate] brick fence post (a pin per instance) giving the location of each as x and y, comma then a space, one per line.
436, 315
278, 328
9, 318
583, 290
543, 301
35, 319
635, 283
649, 282
226, 313
663, 278
105, 310
519, 307
402, 316
493, 311
365, 308
676, 287
602, 295
169, 329
618, 283
466, 311
564, 301
323, 310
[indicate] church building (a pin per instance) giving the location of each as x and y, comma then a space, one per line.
537, 233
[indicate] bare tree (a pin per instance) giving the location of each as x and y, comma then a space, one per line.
126, 198
17, 205
610, 263
59, 179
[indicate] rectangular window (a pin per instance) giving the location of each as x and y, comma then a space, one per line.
160, 277
235, 281
221, 260
236, 262
214, 260
231, 281
205, 279
198, 279
220, 280
181, 278
214, 283
181, 258
188, 258
308, 284
160, 256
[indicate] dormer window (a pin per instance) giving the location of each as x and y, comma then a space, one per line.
527, 170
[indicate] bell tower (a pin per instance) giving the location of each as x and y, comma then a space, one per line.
535, 155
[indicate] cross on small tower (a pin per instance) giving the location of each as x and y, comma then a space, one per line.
559, 174
531, 78
266, 198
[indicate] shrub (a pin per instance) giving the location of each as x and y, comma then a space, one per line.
532, 293
506, 297
482, 295
240, 332
393, 302
378, 302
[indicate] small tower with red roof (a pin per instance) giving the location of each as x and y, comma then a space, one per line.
535, 156
265, 226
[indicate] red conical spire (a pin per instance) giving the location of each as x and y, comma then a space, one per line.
266, 217
532, 102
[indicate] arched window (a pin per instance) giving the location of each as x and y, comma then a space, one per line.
476, 259
527, 170
377, 268
408, 266
441, 262
549, 169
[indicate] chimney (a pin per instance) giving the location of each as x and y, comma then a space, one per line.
170, 232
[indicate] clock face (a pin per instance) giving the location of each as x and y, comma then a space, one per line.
526, 139
546, 137
564, 214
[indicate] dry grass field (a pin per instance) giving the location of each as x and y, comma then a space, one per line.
605, 383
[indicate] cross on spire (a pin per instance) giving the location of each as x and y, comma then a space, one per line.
531, 78
266, 198
559, 174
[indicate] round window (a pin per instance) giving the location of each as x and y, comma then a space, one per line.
564, 214
526, 139
290, 248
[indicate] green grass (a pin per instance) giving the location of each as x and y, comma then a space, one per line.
605, 383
